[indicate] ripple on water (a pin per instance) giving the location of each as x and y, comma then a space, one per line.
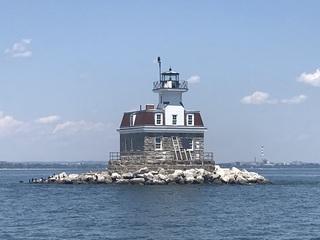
282, 211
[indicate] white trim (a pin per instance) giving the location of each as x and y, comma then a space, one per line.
191, 144
132, 119
131, 144
155, 143
192, 120
125, 144
174, 119
156, 119
162, 129
170, 90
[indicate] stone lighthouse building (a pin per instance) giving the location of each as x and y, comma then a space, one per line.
163, 135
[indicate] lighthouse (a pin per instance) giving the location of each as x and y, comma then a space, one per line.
165, 134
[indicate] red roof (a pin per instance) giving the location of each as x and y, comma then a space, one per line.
146, 118
198, 120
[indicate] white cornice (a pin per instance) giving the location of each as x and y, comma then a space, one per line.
162, 129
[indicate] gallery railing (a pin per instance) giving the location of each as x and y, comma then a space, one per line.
162, 84
114, 156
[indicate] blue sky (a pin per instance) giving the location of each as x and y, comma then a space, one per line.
69, 69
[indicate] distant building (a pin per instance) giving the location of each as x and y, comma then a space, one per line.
167, 135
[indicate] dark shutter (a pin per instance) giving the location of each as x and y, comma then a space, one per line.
185, 143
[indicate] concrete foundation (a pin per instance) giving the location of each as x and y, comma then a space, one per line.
120, 166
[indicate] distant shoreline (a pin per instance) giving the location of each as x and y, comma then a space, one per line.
40, 169
104, 168
275, 166
94, 165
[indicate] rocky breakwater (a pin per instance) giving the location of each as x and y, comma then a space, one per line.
160, 177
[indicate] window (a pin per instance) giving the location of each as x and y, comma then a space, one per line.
174, 119
190, 119
187, 143
132, 119
158, 143
125, 144
131, 144
158, 119
190, 144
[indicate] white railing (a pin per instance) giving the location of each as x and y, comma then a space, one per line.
162, 85
114, 156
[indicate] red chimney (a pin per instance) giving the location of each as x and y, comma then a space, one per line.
149, 106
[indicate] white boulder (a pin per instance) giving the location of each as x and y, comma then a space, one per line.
199, 179
161, 176
116, 176
137, 180
142, 171
128, 175
74, 177
100, 178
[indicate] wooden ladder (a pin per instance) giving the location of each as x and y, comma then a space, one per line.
190, 155
185, 154
176, 147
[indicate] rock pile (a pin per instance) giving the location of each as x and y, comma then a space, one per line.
161, 177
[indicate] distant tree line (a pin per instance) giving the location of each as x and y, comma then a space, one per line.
52, 165
276, 165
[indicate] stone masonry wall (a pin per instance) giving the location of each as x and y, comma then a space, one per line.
150, 155
164, 158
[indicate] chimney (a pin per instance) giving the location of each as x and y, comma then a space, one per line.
149, 106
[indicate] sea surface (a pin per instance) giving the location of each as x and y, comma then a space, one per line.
287, 209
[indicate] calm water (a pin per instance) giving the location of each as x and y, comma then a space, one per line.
289, 209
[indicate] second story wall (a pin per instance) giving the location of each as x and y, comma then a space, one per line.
174, 115
162, 118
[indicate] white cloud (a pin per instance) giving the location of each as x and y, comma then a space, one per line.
37, 141
77, 126
194, 79
263, 97
9, 125
49, 119
257, 98
295, 100
312, 79
19, 49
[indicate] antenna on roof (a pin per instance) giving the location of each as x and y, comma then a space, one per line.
159, 61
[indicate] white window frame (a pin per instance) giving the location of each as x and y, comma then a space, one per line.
158, 143
160, 119
190, 144
174, 119
132, 119
131, 144
190, 122
125, 144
